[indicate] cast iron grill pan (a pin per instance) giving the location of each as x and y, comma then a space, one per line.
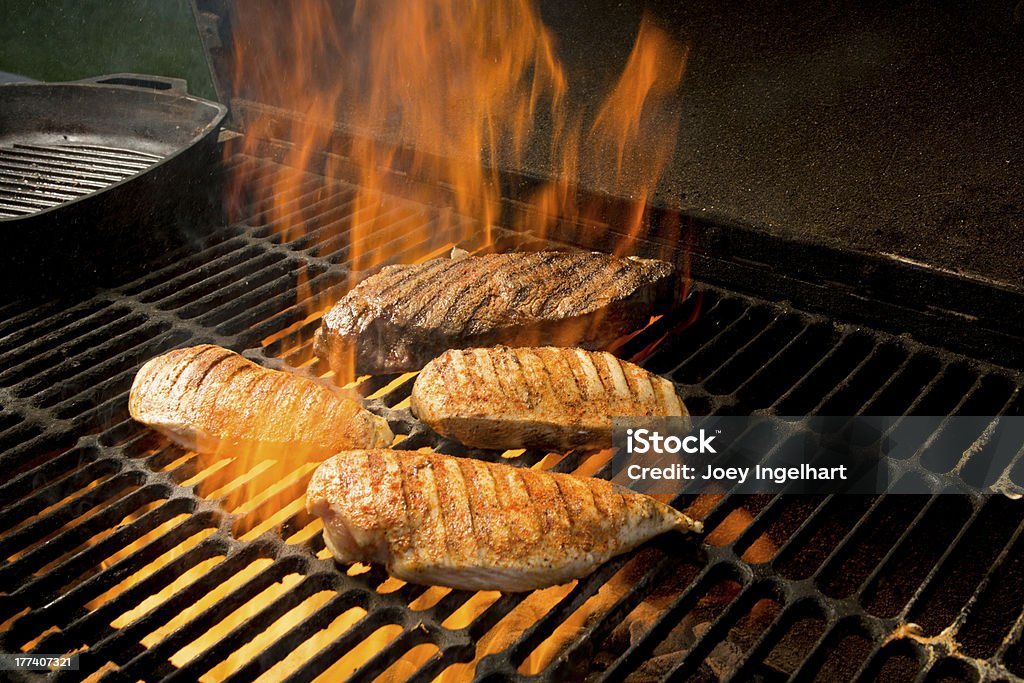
110, 169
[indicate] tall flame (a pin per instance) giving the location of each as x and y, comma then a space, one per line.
389, 121
460, 83
438, 90
634, 126
426, 101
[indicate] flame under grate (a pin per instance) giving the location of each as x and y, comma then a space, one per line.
130, 550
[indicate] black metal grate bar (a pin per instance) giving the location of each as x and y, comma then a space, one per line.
95, 499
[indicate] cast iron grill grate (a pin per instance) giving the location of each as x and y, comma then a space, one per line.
119, 545
37, 177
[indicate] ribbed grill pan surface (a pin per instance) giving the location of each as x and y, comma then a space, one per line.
38, 177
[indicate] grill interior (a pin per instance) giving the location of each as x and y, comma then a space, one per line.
116, 544
37, 177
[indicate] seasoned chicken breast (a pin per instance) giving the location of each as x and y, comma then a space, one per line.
206, 398
439, 520
405, 315
554, 398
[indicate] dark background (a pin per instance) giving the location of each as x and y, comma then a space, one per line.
887, 127
894, 127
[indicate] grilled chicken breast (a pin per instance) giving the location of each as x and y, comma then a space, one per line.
554, 398
206, 398
405, 315
439, 520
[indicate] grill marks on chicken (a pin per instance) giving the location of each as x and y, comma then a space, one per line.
554, 398
439, 520
207, 398
405, 315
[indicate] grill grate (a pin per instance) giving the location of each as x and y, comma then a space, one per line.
109, 535
38, 177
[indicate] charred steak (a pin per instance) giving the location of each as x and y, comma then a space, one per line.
439, 520
553, 398
402, 317
210, 399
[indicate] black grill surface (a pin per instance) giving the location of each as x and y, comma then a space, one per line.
118, 545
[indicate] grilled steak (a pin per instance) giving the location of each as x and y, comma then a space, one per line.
555, 398
405, 315
440, 520
207, 398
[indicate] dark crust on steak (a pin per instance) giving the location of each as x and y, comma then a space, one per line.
402, 317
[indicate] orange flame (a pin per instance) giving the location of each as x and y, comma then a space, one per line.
462, 82
388, 123
626, 148
435, 96
397, 117
631, 120
634, 125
